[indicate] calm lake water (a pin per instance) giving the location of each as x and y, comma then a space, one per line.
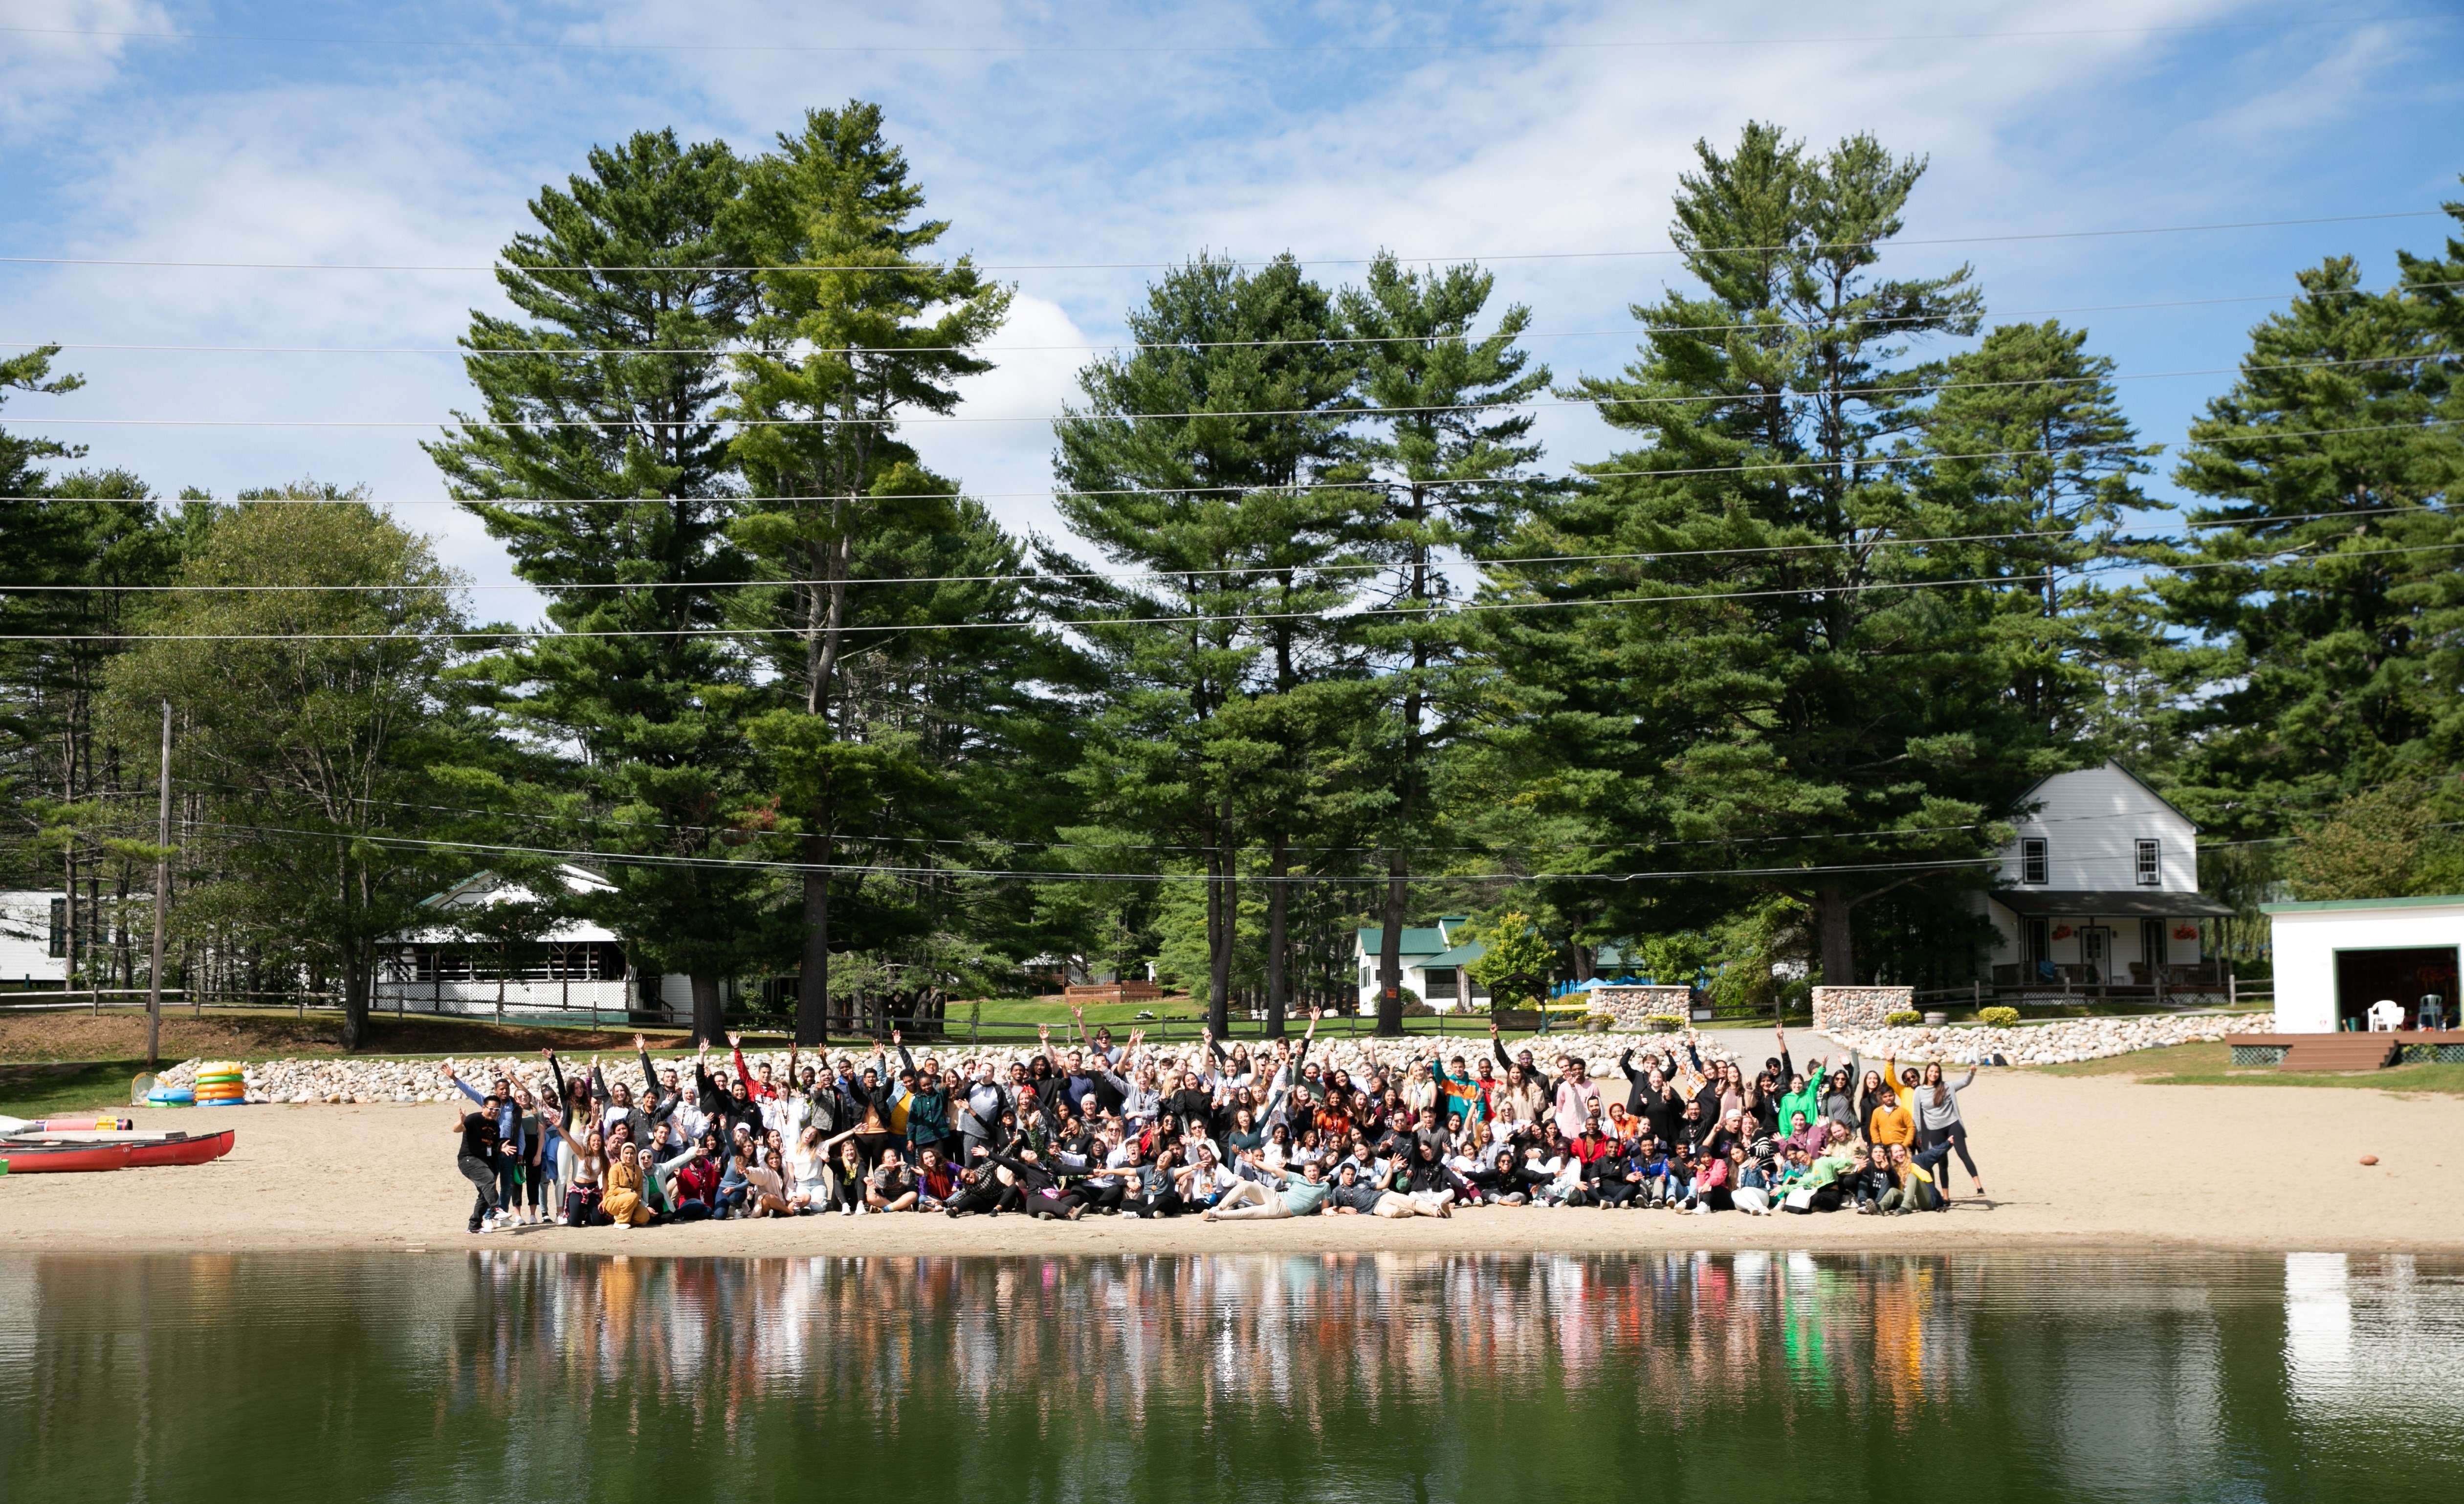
503, 1376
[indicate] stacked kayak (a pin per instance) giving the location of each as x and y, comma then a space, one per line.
30, 1156
220, 1083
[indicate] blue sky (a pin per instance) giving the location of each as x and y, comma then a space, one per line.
1082, 144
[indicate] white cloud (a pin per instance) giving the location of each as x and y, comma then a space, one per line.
56, 53
1009, 463
1083, 161
318, 174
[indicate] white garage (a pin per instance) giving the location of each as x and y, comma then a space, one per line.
2335, 959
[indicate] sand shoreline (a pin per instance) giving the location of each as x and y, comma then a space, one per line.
2251, 1169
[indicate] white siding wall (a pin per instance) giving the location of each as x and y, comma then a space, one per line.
26, 939
520, 997
2180, 950
2091, 822
2305, 947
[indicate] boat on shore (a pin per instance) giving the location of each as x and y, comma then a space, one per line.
30, 1156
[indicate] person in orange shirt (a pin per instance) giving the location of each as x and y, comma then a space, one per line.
1890, 1123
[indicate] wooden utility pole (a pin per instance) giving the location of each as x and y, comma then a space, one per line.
162, 901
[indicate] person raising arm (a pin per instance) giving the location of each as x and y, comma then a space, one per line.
482, 1148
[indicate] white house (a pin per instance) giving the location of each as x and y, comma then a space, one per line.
34, 940
2334, 958
1432, 961
574, 966
2100, 887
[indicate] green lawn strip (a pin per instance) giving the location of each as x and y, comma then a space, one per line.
2211, 1065
95, 1087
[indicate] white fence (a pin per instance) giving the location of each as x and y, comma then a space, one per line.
526, 999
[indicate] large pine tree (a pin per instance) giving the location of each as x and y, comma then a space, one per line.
599, 459
1776, 669
1209, 462
2321, 586
855, 324
1446, 472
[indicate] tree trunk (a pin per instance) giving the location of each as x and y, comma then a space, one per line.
1226, 909
1278, 937
813, 983
1838, 948
355, 997
1390, 952
709, 1011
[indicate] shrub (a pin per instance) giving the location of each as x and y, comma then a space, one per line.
1904, 1017
1665, 1023
2000, 1017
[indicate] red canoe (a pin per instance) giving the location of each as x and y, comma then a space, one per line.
30, 1157
27, 1159
179, 1149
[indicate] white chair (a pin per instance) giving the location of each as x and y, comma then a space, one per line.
2386, 1016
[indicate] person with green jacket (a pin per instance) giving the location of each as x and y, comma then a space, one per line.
1822, 1180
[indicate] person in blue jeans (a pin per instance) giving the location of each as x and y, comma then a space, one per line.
734, 1188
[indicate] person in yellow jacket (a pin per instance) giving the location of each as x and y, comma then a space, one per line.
621, 1202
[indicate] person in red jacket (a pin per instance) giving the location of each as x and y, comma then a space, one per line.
756, 1090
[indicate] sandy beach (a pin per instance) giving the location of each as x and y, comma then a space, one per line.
2072, 1162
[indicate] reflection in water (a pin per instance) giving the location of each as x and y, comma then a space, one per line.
1488, 1377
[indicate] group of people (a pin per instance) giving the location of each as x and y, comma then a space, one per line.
1095, 1127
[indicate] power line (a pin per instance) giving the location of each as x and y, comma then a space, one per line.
887, 870
1586, 472
536, 818
468, 352
1603, 44
1347, 414
1517, 563
1236, 619
913, 266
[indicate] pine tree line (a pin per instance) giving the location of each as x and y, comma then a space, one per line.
1761, 686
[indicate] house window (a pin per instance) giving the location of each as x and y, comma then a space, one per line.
2148, 865
59, 927
2034, 865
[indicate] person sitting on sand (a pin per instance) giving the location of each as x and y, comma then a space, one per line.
1912, 1186
1303, 1194
621, 1202
889, 1187
1752, 1192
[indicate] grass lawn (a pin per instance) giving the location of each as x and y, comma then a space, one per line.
2211, 1065
43, 1091
264, 1033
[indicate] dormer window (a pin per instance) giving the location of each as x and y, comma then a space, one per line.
2149, 864
2034, 864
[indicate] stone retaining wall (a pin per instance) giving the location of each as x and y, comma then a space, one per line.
1858, 1007
1633, 1006
2062, 1042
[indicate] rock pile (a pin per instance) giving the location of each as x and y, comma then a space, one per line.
333, 1080
2062, 1042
